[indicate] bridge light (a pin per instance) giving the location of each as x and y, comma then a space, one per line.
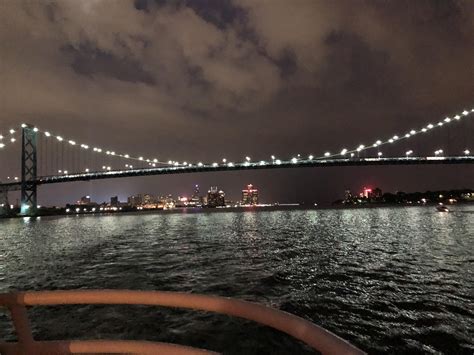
352, 155
35, 129
440, 124
126, 156
112, 153
176, 163
87, 170
344, 151
407, 135
185, 163
214, 164
65, 172
278, 162
447, 119
467, 152
16, 178
395, 138
230, 164
12, 131
430, 126
200, 164
379, 154
141, 158
109, 168
23, 125
273, 157
294, 160
457, 117
247, 158
72, 143
412, 132
47, 134
224, 160
60, 171
13, 140
104, 167
99, 150
423, 130
327, 154
390, 140
310, 157
379, 142
2, 145
408, 153
155, 160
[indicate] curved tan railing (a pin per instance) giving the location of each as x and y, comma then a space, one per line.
309, 333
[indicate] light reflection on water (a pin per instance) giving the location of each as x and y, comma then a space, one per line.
387, 279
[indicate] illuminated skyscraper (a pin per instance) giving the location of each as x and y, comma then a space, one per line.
249, 196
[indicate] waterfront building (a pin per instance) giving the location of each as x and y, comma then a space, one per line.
215, 197
85, 200
196, 199
249, 196
135, 201
114, 201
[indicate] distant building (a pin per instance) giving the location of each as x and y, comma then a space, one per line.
347, 195
85, 200
114, 201
366, 193
377, 193
136, 200
249, 196
215, 198
148, 199
196, 199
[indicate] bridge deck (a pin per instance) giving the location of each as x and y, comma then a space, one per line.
243, 166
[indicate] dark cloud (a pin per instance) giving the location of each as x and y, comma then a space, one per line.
199, 80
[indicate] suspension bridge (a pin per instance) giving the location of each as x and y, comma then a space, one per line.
49, 158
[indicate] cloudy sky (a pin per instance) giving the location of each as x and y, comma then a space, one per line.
207, 79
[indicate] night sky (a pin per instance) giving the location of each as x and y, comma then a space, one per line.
201, 80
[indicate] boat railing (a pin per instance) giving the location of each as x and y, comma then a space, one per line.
314, 336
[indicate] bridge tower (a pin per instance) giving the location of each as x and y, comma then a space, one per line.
4, 203
28, 171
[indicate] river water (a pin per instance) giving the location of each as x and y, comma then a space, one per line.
391, 280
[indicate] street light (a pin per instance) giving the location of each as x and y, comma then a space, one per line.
379, 154
467, 152
408, 153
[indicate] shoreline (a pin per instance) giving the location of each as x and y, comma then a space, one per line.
193, 210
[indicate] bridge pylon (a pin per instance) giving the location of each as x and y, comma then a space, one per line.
28, 171
4, 203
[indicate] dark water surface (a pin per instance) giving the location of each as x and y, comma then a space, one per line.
392, 280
